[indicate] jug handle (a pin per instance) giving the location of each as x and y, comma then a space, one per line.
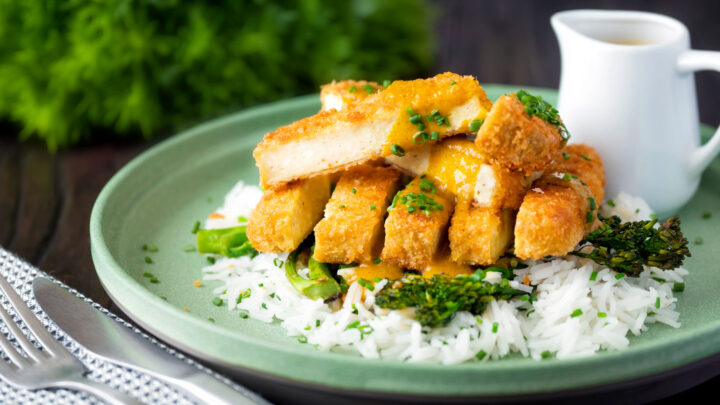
689, 62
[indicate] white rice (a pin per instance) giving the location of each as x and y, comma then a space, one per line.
573, 316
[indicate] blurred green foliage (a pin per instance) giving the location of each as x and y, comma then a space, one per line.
71, 67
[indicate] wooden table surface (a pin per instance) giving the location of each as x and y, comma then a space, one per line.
46, 199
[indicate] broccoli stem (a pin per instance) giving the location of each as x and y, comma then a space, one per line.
320, 282
230, 242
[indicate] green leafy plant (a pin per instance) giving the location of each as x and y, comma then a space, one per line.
72, 69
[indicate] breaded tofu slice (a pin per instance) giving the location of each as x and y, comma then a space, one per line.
351, 231
551, 222
562, 206
583, 161
480, 235
416, 224
336, 95
378, 126
510, 138
285, 216
456, 165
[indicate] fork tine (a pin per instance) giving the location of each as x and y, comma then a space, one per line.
7, 347
33, 323
29, 348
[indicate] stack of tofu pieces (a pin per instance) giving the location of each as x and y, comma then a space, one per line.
345, 172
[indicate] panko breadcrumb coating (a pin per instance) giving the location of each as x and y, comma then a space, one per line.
412, 238
480, 235
562, 205
510, 138
351, 231
336, 95
285, 216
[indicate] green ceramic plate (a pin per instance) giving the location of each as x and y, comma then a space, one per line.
158, 196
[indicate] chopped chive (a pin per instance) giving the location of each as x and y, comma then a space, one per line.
302, 339
475, 125
352, 89
657, 302
278, 262
482, 353
397, 150
546, 354
148, 260
619, 276
592, 203
189, 248
659, 280
420, 126
593, 276
242, 219
352, 325
264, 305
370, 89
145, 247
698, 240
653, 216
317, 323
452, 84
706, 215
367, 284
576, 313
386, 83
566, 177
495, 326
420, 138
152, 248
244, 315
583, 183
377, 279
307, 327
589, 217
377, 260
154, 280
678, 287
434, 136
217, 301
409, 110
148, 275
566, 156
415, 119
637, 210
479, 320
196, 227
585, 157
211, 320
602, 315
611, 203
529, 312
354, 190
210, 259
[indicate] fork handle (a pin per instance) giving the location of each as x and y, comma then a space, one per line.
100, 390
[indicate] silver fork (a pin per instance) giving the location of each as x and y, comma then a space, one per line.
53, 367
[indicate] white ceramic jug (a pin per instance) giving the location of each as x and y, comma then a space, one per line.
627, 89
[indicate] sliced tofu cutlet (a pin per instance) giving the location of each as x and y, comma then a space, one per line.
456, 165
382, 124
562, 206
480, 235
416, 224
510, 138
285, 216
351, 231
336, 95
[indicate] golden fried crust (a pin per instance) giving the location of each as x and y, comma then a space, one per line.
510, 138
336, 95
480, 235
333, 140
412, 238
583, 161
285, 216
550, 222
351, 231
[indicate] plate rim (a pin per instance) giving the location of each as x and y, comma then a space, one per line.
109, 269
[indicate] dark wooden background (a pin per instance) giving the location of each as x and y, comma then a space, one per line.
45, 200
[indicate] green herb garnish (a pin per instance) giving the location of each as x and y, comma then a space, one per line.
576, 313
196, 227
536, 106
475, 125
397, 150
217, 301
